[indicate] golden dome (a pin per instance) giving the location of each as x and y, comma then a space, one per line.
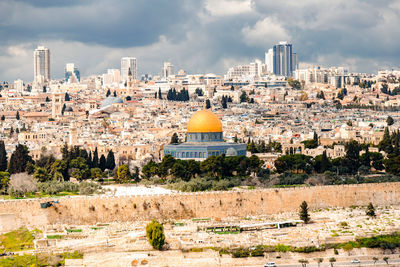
204, 121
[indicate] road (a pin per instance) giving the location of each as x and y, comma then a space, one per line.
392, 262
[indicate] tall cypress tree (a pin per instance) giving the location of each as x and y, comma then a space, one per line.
89, 160
95, 161
110, 163
19, 159
102, 163
3, 156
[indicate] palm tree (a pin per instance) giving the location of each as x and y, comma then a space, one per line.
375, 259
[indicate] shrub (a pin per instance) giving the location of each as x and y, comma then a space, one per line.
155, 234
55, 187
89, 188
257, 252
240, 253
21, 184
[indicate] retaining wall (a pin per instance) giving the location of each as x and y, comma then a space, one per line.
102, 209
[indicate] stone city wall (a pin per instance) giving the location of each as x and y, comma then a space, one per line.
103, 209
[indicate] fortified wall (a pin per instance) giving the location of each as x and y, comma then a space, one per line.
103, 209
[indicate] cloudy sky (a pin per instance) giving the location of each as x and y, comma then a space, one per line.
200, 36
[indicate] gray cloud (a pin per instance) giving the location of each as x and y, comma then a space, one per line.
199, 36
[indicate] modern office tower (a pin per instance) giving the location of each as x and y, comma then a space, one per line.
72, 74
167, 70
295, 62
41, 61
282, 59
128, 63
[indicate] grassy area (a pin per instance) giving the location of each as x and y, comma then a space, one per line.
18, 240
54, 236
40, 259
201, 219
96, 228
74, 230
385, 242
41, 195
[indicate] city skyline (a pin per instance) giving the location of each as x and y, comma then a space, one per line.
200, 37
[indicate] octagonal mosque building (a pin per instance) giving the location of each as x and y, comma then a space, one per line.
204, 138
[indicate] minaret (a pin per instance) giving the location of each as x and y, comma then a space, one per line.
73, 134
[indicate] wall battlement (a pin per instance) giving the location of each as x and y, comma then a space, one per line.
95, 209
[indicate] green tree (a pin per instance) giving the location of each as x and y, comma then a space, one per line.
4, 181
110, 162
365, 158
96, 173
370, 210
159, 93
123, 174
224, 102
386, 143
297, 163
322, 163
165, 165
108, 93
19, 159
304, 216
389, 121
80, 169
392, 164
3, 156
3, 117
150, 169
174, 139
319, 261
155, 234
63, 109
332, 260
375, 259
352, 157
41, 174
295, 84
102, 163
59, 170
17, 116
243, 97
208, 104
67, 98
386, 259
95, 160
377, 160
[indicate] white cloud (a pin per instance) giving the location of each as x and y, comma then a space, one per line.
265, 32
228, 7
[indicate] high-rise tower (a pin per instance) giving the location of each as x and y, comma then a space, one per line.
41, 64
283, 59
128, 63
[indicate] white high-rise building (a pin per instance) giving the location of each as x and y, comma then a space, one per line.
19, 86
269, 60
167, 70
128, 63
41, 64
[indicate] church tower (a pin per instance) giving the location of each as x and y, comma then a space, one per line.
57, 103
